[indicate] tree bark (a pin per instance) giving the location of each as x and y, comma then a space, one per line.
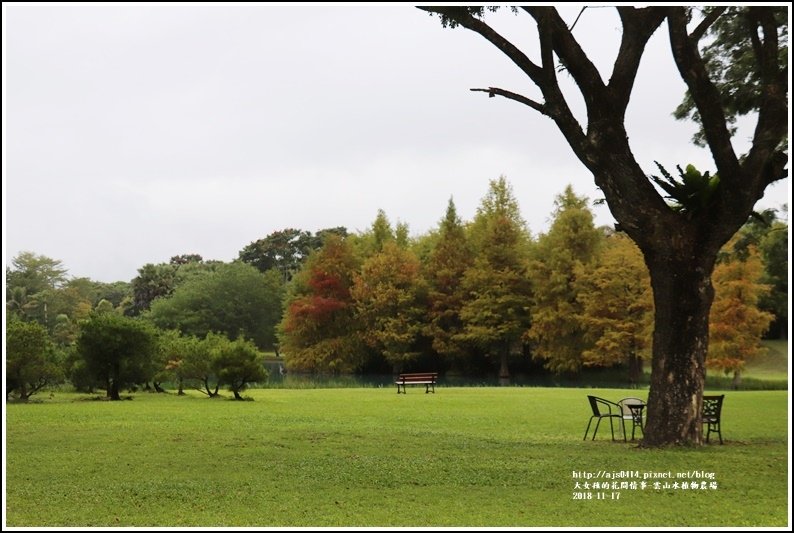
205, 381
682, 297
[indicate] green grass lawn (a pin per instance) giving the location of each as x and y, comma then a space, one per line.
368, 457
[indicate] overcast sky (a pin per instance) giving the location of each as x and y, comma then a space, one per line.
133, 133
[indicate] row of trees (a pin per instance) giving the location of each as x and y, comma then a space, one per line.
206, 331
474, 298
114, 352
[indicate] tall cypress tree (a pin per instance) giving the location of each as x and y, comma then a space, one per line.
572, 242
617, 307
495, 313
448, 261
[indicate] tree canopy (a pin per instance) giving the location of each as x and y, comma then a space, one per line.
118, 351
30, 361
680, 247
235, 299
568, 248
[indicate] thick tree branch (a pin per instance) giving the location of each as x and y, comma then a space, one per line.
638, 26
470, 22
544, 77
556, 104
755, 40
706, 23
570, 53
495, 91
764, 159
704, 93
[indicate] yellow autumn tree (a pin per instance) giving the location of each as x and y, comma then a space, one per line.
389, 297
571, 245
617, 307
736, 324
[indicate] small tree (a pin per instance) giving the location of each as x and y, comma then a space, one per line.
283, 251
30, 360
152, 282
238, 363
117, 350
196, 364
35, 272
173, 349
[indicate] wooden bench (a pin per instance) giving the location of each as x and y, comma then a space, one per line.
428, 379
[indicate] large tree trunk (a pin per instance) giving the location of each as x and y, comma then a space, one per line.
682, 296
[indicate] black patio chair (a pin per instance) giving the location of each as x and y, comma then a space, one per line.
712, 413
631, 409
604, 409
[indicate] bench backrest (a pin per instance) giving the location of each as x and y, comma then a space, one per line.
409, 378
712, 407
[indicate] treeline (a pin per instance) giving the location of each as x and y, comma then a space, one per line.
477, 298
485, 297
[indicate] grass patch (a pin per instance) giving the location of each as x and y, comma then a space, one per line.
476, 457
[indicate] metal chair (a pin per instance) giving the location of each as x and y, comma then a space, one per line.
631, 409
604, 409
712, 413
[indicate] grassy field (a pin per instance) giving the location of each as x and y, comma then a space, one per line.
475, 457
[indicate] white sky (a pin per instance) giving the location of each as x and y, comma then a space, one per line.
135, 132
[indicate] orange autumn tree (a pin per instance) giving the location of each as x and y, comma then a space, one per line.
736, 324
318, 332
